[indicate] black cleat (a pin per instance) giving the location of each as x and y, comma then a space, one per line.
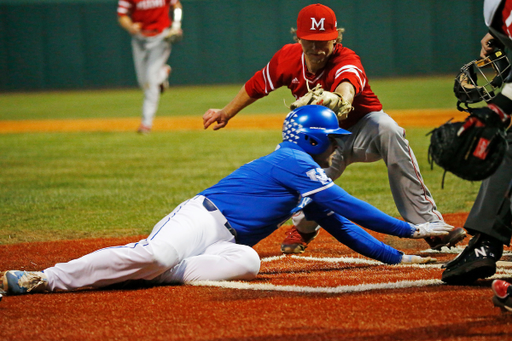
477, 260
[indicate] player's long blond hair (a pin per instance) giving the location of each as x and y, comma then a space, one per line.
338, 40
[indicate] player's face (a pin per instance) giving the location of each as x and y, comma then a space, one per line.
324, 159
317, 52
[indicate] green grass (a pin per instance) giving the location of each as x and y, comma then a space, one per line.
403, 93
177, 101
69, 185
83, 185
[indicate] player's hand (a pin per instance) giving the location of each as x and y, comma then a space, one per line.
411, 259
135, 28
215, 115
438, 228
174, 35
487, 46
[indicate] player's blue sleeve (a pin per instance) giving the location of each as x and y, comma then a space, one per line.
360, 212
352, 235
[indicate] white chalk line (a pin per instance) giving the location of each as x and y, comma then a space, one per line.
343, 289
504, 270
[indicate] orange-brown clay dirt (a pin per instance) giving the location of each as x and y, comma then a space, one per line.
406, 118
328, 293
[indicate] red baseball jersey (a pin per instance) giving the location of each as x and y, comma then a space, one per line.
152, 14
288, 67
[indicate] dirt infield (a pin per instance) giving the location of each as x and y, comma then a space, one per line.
405, 118
329, 293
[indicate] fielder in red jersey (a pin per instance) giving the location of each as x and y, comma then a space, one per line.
288, 68
318, 57
153, 32
151, 15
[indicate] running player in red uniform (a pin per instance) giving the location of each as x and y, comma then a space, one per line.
153, 32
318, 57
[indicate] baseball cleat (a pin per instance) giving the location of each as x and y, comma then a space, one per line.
15, 282
477, 260
451, 239
501, 288
502, 291
296, 242
143, 129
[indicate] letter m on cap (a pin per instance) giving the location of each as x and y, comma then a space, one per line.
319, 24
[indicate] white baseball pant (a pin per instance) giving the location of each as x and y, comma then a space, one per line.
150, 56
189, 244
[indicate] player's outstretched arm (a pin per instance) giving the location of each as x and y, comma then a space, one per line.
222, 116
353, 236
358, 239
364, 214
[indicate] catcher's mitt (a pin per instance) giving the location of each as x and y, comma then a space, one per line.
328, 99
473, 149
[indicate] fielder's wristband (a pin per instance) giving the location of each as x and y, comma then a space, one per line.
177, 16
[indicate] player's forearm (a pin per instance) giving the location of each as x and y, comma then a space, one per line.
241, 100
127, 24
347, 91
362, 213
353, 236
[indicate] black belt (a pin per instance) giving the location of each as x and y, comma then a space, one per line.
210, 206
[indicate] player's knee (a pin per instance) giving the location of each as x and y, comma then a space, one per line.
388, 127
249, 263
165, 257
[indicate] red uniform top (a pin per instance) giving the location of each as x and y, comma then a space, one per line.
152, 14
288, 67
506, 17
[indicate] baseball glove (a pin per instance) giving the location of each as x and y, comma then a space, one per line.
331, 100
174, 35
473, 149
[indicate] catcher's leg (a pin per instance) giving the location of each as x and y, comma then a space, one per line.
484, 216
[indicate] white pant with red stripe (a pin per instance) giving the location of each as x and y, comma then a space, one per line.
189, 244
150, 55
377, 136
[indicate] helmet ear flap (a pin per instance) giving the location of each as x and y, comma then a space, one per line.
311, 140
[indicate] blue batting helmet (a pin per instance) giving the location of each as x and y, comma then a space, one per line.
310, 126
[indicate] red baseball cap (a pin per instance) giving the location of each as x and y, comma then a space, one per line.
317, 22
